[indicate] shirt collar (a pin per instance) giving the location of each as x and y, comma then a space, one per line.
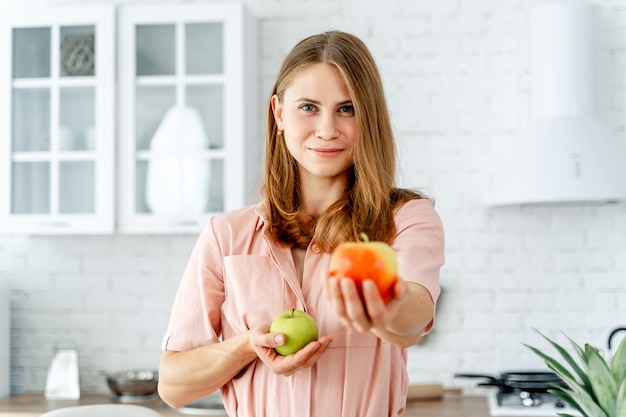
260, 211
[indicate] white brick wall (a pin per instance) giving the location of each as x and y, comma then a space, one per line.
457, 81
107, 296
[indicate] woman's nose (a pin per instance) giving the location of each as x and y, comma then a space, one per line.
327, 127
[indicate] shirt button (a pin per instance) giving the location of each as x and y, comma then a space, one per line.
315, 248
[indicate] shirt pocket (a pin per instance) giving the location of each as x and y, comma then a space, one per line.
255, 292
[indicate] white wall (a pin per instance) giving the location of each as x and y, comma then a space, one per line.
5, 341
457, 81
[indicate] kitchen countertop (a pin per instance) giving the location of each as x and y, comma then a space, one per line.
33, 405
449, 406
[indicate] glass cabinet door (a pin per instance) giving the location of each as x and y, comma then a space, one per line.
176, 148
58, 160
178, 119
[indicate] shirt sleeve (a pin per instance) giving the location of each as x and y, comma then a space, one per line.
196, 312
420, 245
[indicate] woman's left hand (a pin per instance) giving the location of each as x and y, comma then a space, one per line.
372, 313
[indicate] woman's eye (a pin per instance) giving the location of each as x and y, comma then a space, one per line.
307, 107
347, 109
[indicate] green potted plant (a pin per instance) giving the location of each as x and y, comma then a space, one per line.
593, 385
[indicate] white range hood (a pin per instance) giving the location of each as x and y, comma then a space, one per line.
567, 154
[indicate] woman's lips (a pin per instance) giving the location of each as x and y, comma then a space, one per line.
326, 152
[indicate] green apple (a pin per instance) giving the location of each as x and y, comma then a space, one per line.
299, 329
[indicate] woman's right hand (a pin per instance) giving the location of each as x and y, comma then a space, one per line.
264, 343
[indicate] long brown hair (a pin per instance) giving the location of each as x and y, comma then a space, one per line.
370, 196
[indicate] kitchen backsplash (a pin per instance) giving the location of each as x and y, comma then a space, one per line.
106, 296
456, 75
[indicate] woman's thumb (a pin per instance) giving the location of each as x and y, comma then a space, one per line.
263, 337
276, 339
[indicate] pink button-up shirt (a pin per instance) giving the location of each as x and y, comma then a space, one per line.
237, 278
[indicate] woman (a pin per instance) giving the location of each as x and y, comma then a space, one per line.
329, 176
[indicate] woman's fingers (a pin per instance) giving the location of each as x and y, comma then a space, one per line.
365, 313
355, 310
304, 358
264, 343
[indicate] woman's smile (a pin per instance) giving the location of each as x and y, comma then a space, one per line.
326, 153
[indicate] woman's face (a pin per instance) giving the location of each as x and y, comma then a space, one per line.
317, 118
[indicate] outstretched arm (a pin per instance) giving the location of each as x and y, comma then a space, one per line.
400, 321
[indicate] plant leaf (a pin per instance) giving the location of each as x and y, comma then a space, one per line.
553, 364
618, 362
620, 401
563, 394
586, 402
576, 395
602, 381
581, 354
577, 348
581, 395
568, 358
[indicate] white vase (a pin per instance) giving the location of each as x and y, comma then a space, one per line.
177, 182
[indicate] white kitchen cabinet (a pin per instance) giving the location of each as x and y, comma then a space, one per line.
57, 113
187, 113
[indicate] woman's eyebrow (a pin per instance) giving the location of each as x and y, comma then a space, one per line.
308, 100
317, 102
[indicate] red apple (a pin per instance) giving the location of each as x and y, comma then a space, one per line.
359, 261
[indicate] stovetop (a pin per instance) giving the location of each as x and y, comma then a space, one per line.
512, 404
